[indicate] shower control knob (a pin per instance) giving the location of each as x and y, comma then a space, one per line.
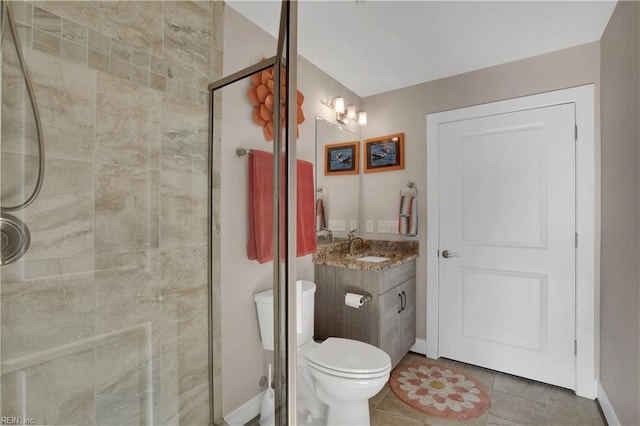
447, 254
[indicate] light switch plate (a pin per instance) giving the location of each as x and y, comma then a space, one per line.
337, 224
369, 226
353, 224
388, 226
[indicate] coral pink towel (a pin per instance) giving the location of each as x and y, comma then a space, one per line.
306, 199
260, 239
260, 179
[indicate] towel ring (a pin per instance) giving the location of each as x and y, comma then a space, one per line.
411, 187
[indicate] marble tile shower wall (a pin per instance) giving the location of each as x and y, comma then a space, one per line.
104, 321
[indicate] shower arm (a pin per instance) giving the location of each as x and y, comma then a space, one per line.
34, 107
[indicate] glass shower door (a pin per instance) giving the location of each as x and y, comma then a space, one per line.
225, 328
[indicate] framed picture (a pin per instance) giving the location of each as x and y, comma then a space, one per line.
341, 158
384, 153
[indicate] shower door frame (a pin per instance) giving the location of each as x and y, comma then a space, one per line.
284, 270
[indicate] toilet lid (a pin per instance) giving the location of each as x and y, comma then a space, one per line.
349, 356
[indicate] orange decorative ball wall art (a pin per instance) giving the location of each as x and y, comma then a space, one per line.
261, 96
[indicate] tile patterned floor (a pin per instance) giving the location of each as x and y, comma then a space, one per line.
514, 401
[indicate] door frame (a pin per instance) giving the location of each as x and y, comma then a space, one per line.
587, 220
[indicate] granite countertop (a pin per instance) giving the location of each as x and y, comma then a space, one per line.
336, 254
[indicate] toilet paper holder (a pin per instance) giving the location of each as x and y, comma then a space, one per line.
366, 297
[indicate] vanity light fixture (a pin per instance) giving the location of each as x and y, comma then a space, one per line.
351, 112
346, 113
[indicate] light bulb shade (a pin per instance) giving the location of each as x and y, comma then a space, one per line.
351, 112
362, 118
338, 104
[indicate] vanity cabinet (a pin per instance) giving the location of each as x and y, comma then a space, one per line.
388, 321
397, 320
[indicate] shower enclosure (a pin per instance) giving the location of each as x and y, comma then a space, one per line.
111, 313
105, 318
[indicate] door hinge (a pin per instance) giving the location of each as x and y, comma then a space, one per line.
576, 240
576, 132
575, 347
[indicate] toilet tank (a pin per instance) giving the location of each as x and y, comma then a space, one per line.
264, 304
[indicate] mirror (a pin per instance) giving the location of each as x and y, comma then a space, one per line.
337, 181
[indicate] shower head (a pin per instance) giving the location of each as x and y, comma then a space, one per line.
14, 239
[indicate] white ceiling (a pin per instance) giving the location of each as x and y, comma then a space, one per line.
376, 46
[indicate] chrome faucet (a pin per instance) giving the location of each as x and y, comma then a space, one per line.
352, 240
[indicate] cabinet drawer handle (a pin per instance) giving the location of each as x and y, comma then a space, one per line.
399, 303
404, 300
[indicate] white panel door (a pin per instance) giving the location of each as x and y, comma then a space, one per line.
507, 219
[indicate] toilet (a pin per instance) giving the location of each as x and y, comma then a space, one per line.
335, 378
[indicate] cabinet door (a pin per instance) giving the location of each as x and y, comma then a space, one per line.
407, 325
389, 321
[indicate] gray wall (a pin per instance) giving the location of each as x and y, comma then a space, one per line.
620, 295
405, 110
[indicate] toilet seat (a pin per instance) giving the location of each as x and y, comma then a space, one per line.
349, 359
346, 375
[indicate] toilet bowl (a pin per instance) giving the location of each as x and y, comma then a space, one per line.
346, 373
337, 377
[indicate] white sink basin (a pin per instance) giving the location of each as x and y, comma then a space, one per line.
372, 259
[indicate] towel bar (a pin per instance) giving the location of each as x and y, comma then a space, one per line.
241, 152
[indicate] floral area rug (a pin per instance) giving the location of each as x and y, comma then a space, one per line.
439, 391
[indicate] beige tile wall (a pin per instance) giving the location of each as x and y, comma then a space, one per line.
104, 321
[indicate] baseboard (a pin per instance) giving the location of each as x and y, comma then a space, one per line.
246, 412
607, 407
419, 347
